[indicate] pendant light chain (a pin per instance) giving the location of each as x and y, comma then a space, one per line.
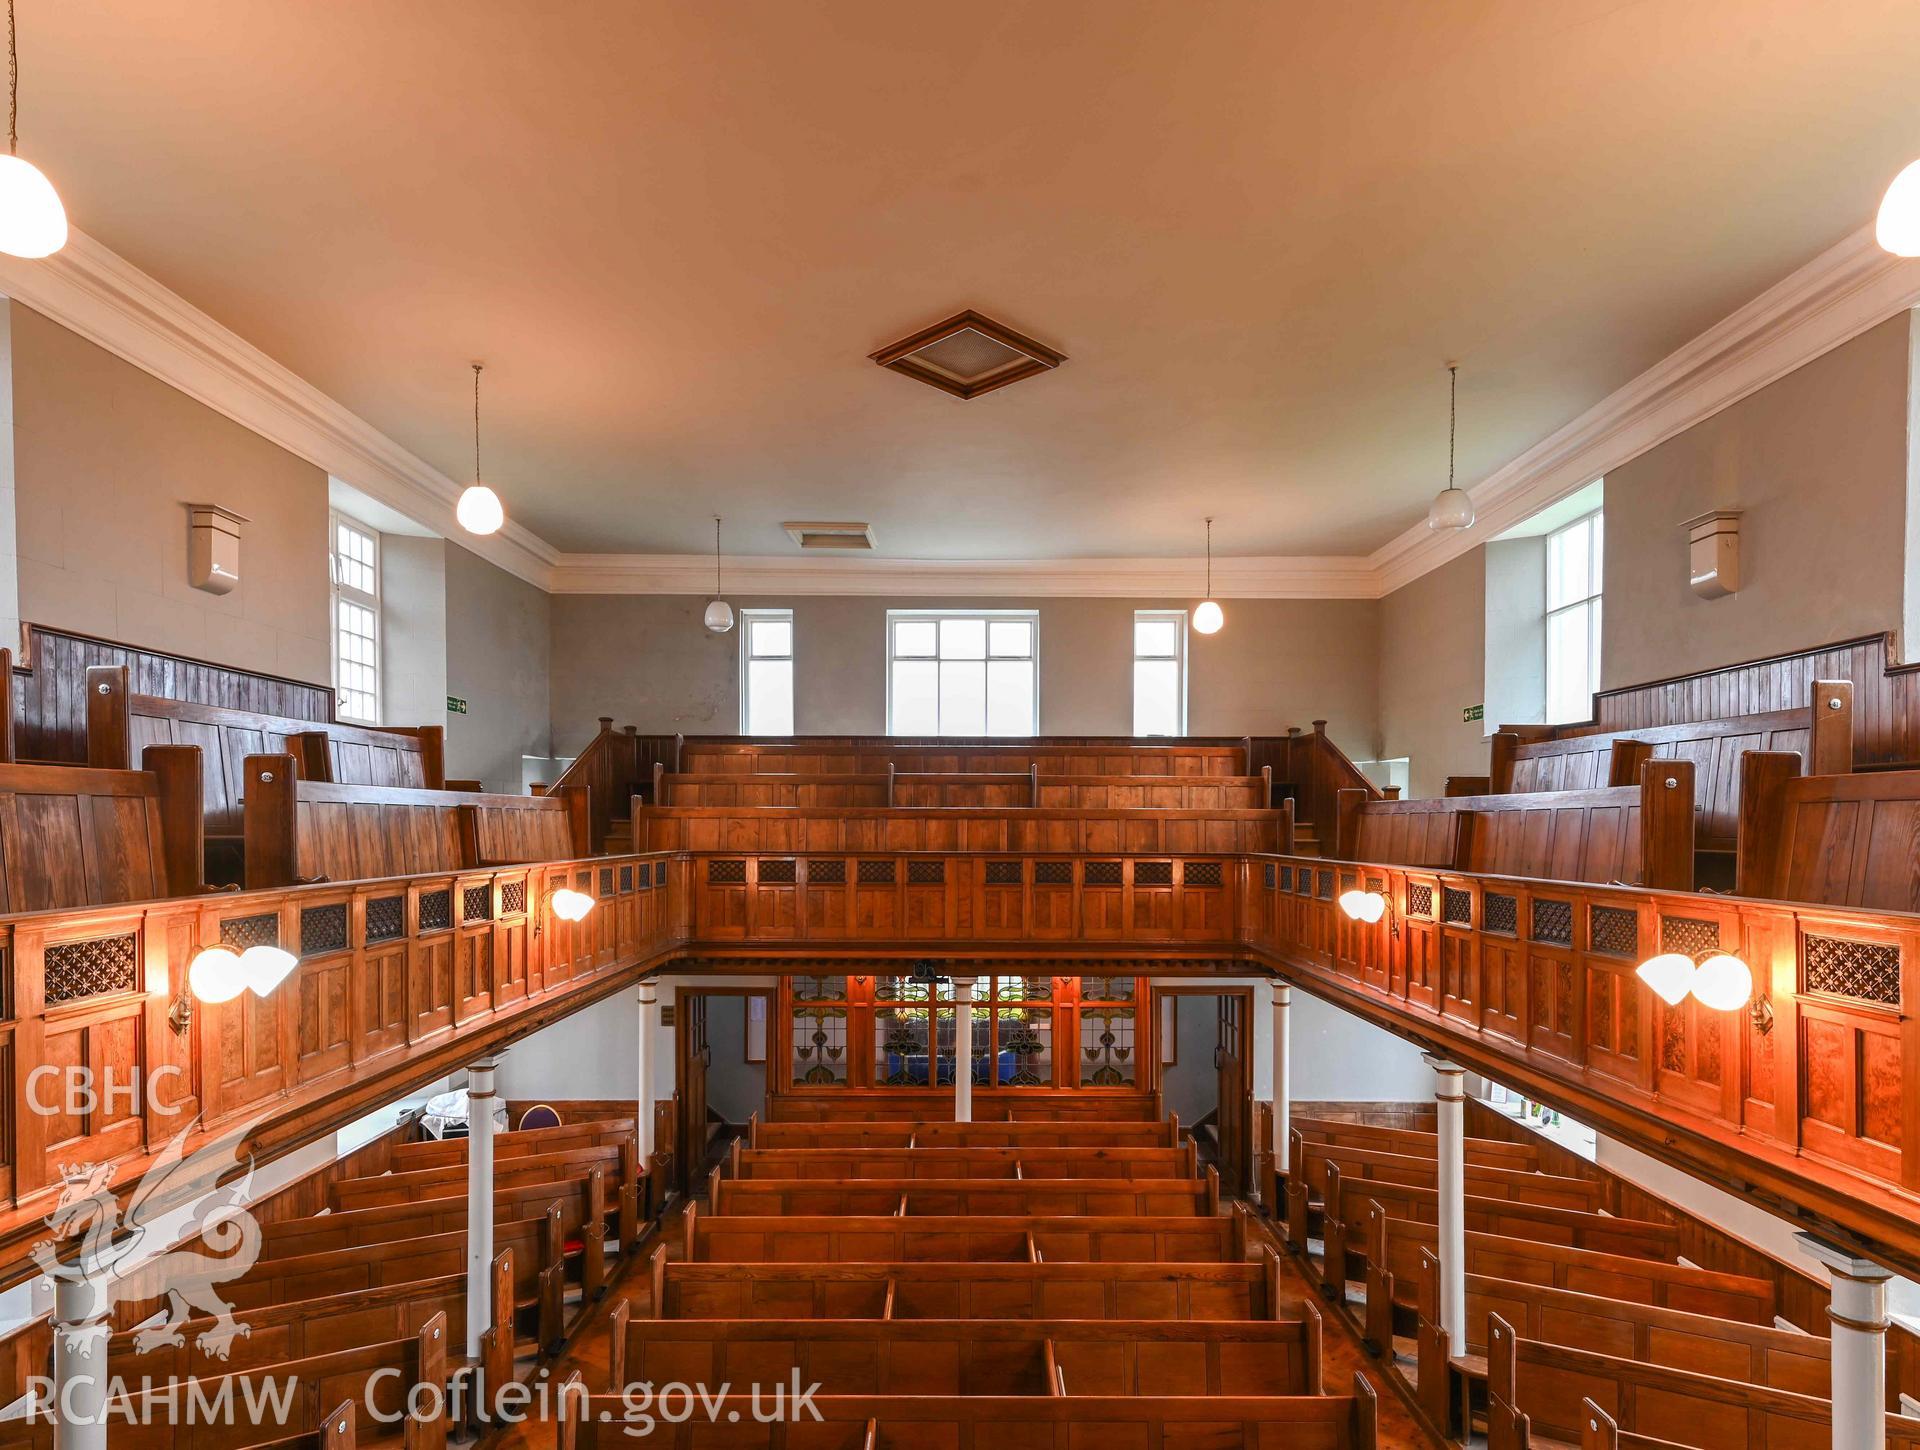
1209, 557
1453, 414
716, 555
476, 422
13, 86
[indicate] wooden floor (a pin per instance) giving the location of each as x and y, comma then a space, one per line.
588, 1351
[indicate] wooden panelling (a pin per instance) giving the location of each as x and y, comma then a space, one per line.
50, 684
75, 837
1053, 755
824, 831
1852, 840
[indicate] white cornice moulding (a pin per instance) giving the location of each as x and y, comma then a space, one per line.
92, 291
1838, 295
1847, 289
751, 575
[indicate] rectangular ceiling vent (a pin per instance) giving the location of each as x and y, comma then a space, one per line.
831, 536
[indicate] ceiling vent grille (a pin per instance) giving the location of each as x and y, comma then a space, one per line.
968, 355
830, 536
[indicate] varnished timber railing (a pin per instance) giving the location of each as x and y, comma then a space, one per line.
1318, 770
1809, 1101
399, 982
614, 767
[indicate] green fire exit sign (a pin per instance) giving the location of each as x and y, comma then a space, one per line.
1473, 712
456, 705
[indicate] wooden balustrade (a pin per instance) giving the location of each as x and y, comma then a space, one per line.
399, 981
1808, 1101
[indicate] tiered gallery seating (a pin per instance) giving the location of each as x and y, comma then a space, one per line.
1023, 1320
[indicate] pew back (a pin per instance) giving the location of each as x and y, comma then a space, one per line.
1842, 840
74, 836
850, 1238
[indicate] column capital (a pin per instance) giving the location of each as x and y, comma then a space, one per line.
964, 988
646, 990
1441, 1064
1842, 1263
1282, 994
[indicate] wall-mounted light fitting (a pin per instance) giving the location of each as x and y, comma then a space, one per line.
213, 547
570, 905
1713, 553
219, 974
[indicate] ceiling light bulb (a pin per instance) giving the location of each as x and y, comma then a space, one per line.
479, 510
265, 968
1450, 509
1724, 983
1670, 975
1366, 906
1208, 618
1897, 228
216, 975
33, 223
719, 616
571, 905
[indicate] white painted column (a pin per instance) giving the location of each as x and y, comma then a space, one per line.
80, 1339
1858, 1312
962, 1049
645, 996
1450, 1100
481, 1100
1282, 1077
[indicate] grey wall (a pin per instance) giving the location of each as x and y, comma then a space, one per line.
106, 460
736, 1088
646, 660
1431, 662
499, 634
1819, 462
1191, 1083
413, 630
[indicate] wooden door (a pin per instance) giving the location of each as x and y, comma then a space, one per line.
1235, 1104
690, 1086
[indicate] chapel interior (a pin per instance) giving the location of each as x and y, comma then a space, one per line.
1033, 726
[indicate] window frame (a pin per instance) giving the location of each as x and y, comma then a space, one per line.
747, 619
1591, 605
339, 592
989, 617
1179, 619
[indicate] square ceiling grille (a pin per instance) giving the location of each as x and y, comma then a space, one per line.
968, 355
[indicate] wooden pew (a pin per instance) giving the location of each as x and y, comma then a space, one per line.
1393, 1276
1539, 1390
852, 829
1527, 759
298, 831
842, 1136
930, 1110
1415, 1142
74, 836
1641, 834
1000, 1163
1058, 1422
968, 1290
845, 1238
364, 1375
121, 724
1599, 1432
568, 1174
729, 789
1840, 840
856, 755
1483, 1180
333, 1431
955, 790
307, 1327
533, 1251
976, 1356
945, 1197
1452, 1380
613, 1144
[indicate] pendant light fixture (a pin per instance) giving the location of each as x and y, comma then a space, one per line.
719, 616
32, 221
1207, 616
1897, 228
479, 509
1451, 508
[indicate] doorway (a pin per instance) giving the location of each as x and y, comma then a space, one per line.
720, 1036
1206, 1077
